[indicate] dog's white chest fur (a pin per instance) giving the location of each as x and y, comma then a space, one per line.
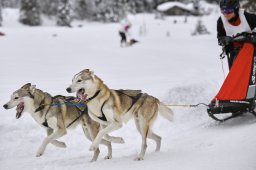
30, 108
95, 108
38, 118
100, 110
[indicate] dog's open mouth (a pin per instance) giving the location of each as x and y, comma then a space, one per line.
80, 94
19, 110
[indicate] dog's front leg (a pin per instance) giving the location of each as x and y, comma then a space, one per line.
55, 142
111, 127
112, 139
58, 131
55, 135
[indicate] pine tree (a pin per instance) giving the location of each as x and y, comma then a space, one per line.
200, 29
63, 17
250, 5
213, 1
1, 19
10, 3
119, 10
110, 11
30, 12
81, 9
49, 7
139, 6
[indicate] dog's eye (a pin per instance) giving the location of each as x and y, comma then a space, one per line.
79, 81
16, 98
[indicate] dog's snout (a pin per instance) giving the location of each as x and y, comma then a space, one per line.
5, 106
68, 90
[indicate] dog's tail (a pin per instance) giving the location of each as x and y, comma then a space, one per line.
165, 111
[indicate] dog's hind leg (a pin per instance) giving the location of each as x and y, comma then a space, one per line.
103, 141
95, 155
156, 138
143, 128
55, 142
108, 144
90, 137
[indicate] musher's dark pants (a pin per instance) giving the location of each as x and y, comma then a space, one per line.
123, 37
232, 56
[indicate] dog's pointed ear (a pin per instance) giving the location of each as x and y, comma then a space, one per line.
26, 86
32, 88
85, 71
92, 74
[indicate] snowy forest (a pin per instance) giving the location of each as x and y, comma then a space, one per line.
64, 11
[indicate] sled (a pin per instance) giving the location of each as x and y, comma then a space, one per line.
237, 93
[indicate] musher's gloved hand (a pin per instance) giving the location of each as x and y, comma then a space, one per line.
225, 40
253, 39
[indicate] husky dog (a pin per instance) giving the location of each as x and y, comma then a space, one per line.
56, 116
113, 107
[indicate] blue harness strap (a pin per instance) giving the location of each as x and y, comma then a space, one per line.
70, 104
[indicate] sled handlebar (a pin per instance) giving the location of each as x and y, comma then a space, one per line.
244, 37
240, 37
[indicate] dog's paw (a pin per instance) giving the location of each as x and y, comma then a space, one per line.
139, 158
93, 160
92, 148
40, 151
121, 140
38, 154
108, 157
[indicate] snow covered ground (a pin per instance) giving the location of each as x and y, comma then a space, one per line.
178, 69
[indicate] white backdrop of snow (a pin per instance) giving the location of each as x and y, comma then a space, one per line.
179, 69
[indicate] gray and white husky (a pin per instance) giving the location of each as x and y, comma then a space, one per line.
56, 117
113, 107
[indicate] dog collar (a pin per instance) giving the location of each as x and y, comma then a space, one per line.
95, 95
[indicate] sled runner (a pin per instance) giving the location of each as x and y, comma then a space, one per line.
237, 94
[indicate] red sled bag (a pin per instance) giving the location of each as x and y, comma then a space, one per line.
238, 91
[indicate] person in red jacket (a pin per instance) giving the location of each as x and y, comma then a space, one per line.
233, 20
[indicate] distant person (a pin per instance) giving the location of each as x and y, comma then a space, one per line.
123, 31
232, 21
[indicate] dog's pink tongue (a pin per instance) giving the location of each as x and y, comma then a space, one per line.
82, 96
19, 107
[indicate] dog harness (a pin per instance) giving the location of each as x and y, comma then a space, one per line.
103, 117
81, 108
41, 107
134, 100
